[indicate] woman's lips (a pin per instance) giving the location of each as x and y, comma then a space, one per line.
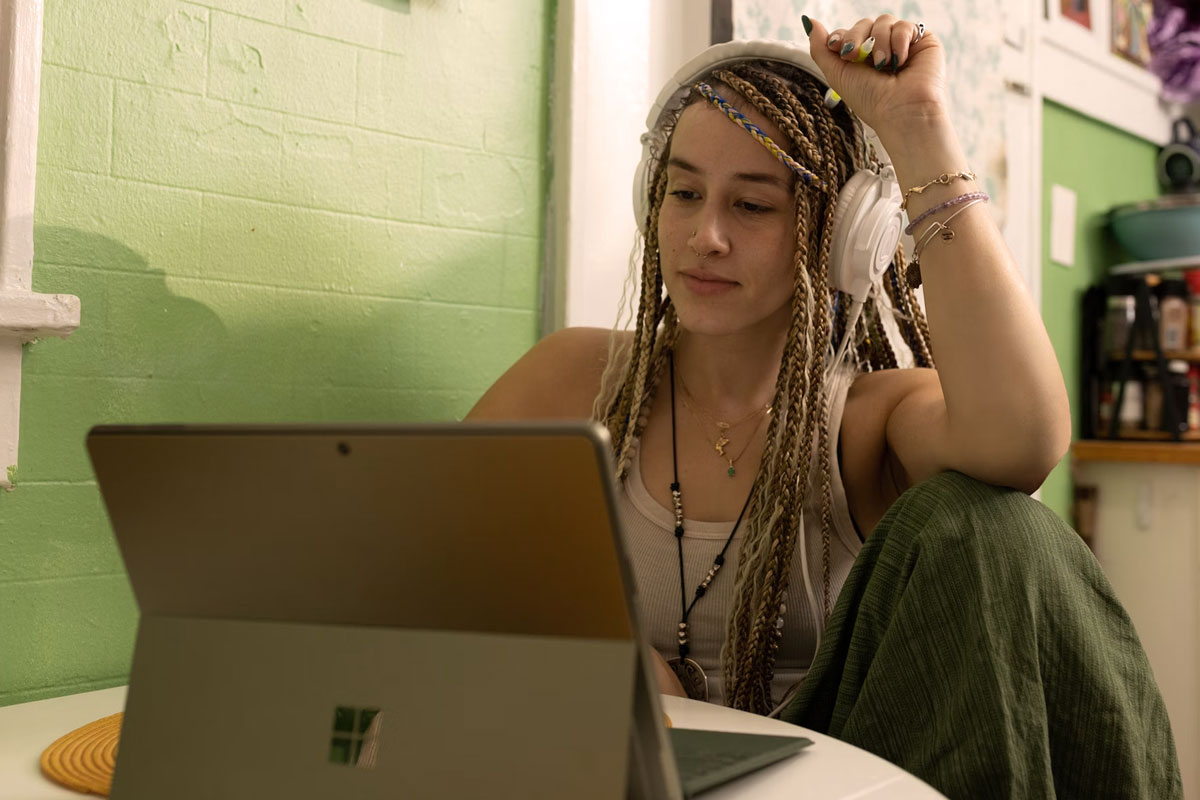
706, 285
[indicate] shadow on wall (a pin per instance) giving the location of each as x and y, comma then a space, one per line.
242, 351
129, 319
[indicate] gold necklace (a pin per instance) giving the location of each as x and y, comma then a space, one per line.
730, 471
722, 442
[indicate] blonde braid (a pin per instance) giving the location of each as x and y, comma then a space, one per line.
623, 420
914, 326
743, 657
882, 355
764, 569
925, 340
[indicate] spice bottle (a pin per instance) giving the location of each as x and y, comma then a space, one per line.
1173, 314
1193, 415
1130, 413
1153, 400
1193, 281
1178, 391
1118, 321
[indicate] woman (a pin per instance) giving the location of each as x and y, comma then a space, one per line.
725, 403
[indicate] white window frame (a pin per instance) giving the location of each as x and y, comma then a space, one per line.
24, 314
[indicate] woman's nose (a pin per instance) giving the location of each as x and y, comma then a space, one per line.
708, 237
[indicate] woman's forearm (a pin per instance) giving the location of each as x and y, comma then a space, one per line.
1004, 391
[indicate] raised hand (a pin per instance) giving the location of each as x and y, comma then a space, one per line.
901, 82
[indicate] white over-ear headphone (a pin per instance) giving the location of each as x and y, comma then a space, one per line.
867, 220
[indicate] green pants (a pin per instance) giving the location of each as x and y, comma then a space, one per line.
977, 644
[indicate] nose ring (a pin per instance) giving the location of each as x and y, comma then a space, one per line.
701, 257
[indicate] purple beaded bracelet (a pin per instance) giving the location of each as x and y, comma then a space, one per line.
962, 198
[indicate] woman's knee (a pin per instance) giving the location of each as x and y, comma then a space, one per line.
1001, 528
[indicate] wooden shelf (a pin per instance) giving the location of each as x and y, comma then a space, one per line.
1151, 436
1146, 452
1170, 355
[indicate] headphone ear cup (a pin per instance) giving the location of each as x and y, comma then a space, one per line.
843, 272
867, 222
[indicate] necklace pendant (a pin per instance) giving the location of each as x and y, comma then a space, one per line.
691, 677
731, 471
720, 445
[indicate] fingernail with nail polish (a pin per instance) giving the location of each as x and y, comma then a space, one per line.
807, 25
895, 62
881, 63
847, 48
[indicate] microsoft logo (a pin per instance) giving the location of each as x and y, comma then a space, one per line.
355, 739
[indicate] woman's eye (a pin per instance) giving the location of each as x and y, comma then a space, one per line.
754, 208
683, 194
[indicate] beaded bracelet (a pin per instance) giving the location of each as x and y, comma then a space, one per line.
943, 180
962, 198
939, 227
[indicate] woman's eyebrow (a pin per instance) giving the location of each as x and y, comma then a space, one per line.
752, 177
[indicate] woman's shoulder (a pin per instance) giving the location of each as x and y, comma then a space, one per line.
559, 377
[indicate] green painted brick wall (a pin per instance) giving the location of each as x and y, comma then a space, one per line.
271, 210
1105, 167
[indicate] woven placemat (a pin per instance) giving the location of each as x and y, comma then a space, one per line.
84, 759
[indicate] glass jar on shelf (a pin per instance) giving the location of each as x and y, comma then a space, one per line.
1121, 312
1131, 414
1193, 413
1173, 313
1178, 391
1192, 277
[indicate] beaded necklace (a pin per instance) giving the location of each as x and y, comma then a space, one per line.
690, 674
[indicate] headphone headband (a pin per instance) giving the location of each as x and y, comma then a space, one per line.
723, 55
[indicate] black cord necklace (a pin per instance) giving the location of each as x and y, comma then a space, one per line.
690, 674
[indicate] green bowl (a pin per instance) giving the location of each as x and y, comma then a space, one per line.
1167, 227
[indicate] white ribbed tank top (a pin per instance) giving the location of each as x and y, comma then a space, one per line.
650, 532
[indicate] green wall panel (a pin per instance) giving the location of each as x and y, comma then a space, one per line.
1105, 167
305, 211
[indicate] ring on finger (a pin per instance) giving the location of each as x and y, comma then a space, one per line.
919, 33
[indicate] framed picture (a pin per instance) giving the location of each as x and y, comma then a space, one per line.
1075, 26
1130, 21
1112, 34
1079, 11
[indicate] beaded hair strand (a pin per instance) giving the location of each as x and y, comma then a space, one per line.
829, 142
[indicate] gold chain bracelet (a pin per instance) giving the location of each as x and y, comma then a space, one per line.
941, 180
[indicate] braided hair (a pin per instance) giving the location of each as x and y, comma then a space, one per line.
831, 144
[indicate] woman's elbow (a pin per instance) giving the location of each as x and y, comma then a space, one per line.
1042, 450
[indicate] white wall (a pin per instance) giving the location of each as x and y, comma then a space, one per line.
620, 54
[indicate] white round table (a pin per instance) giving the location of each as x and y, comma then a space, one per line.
826, 769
